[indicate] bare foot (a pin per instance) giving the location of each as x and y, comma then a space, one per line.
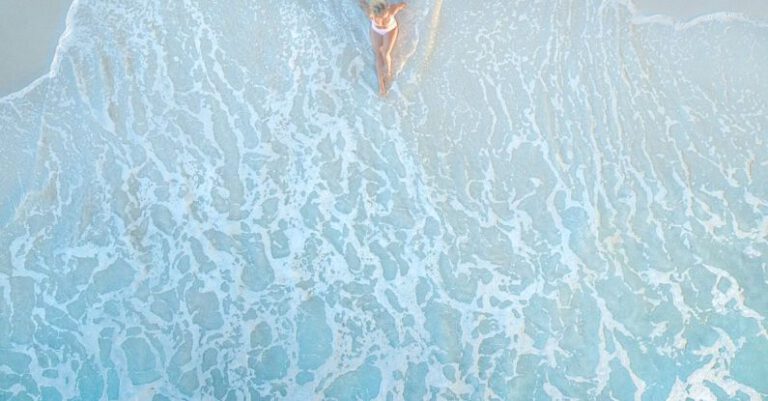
388, 80
385, 83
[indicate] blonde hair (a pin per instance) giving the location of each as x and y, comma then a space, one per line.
378, 6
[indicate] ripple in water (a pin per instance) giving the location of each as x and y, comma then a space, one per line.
556, 201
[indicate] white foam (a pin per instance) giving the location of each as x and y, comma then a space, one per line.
685, 19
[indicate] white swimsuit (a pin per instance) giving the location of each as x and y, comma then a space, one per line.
385, 30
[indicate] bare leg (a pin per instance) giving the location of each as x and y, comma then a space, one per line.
381, 72
376, 41
386, 47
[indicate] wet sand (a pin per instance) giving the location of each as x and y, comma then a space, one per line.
29, 32
686, 10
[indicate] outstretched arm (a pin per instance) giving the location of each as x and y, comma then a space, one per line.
395, 8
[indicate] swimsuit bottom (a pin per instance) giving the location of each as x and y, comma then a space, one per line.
385, 30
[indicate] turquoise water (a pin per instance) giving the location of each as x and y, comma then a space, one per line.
557, 201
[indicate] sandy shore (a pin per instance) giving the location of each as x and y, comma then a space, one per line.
686, 10
29, 32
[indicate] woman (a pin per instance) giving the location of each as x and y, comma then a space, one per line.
383, 35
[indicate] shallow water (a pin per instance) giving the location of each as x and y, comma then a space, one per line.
207, 200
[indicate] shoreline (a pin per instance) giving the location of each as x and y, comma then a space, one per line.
687, 11
29, 33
